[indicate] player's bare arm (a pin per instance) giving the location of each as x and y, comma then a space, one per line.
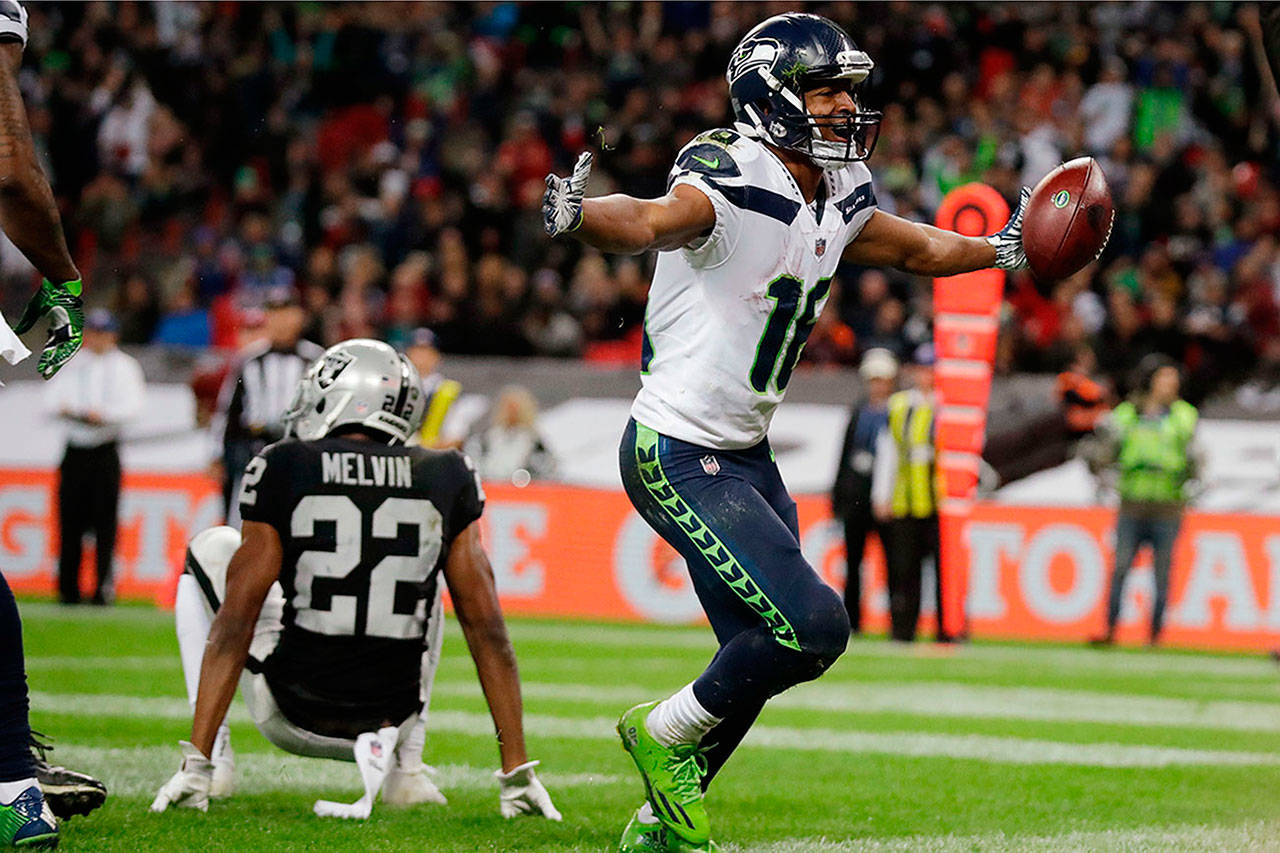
29, 215
891, 241
253, 569
475, 602
621, 224
28, 212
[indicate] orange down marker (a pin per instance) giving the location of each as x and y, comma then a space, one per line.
965, 309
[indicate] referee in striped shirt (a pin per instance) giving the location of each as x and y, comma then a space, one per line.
258, 390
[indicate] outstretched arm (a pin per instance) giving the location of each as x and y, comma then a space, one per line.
28, 212
890, 241
621, 224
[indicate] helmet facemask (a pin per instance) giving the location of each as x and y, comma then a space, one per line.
782, 59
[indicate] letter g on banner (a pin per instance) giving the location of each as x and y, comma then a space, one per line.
641, 582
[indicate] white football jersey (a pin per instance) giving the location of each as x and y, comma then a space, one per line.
729, 313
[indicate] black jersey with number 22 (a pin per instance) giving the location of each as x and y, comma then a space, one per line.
365, 529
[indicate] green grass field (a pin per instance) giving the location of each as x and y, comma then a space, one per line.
984, 747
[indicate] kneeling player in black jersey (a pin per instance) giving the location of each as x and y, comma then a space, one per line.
326, 609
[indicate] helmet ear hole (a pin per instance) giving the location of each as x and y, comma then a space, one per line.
320, 406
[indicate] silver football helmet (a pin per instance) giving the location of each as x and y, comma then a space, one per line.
360, 382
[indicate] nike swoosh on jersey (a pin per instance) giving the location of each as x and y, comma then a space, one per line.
710, 164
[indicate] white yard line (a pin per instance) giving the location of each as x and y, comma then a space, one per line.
1002, 750
1107, 660
954, 699
104, 663
141, 770
647, 637
1250, 836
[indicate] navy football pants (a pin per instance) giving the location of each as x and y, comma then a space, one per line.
729, 515
15, 733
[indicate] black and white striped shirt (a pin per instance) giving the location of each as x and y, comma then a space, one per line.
257, 392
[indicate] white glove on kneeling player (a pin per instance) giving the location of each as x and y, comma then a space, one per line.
520, 793
189, 787
1008, 240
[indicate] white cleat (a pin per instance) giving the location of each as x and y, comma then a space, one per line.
411, 788
223, 784
373, 753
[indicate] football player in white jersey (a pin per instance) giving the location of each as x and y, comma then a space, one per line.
754, 223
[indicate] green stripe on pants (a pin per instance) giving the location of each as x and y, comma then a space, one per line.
713, 550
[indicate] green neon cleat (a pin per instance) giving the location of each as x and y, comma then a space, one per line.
654, 838
672, 778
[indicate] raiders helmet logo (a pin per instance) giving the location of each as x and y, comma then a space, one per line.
332, 366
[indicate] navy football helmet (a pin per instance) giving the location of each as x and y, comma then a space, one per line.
776, 63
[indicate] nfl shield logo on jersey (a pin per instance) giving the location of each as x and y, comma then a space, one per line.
710, 464
820, 247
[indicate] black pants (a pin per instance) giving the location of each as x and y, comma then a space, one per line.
88, 500
15, 734
857, 526
910, 542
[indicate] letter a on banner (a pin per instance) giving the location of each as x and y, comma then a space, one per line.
965, 311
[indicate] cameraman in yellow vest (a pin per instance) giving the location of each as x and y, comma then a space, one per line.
906, 491
1149, 443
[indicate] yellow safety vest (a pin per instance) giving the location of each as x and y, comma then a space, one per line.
916, 488
438, 406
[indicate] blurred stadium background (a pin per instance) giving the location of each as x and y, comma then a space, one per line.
387, 161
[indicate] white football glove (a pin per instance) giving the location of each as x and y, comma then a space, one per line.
1008, 240
520, 793
562, 202
189, 787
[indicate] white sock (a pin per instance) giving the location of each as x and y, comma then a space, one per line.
409, 751
9, 791
680, 719
221, 742
645, 815
191, 618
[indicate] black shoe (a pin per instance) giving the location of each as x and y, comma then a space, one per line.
67, 792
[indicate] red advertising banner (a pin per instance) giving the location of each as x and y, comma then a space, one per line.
1034, 573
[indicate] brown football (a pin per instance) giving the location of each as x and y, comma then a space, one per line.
1068, 219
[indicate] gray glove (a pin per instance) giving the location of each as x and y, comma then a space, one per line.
562, 202
1008, 240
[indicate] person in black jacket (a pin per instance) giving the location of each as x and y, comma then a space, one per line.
851, 494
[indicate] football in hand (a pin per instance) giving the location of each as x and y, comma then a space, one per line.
1068, 219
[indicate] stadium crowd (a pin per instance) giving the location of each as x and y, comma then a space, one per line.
387, 159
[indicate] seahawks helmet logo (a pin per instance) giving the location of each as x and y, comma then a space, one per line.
331, 367
761, 53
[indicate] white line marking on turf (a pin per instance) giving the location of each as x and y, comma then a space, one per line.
1003, 750
1107, 660
955, 699
104, 663
1155, 839
141, 770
